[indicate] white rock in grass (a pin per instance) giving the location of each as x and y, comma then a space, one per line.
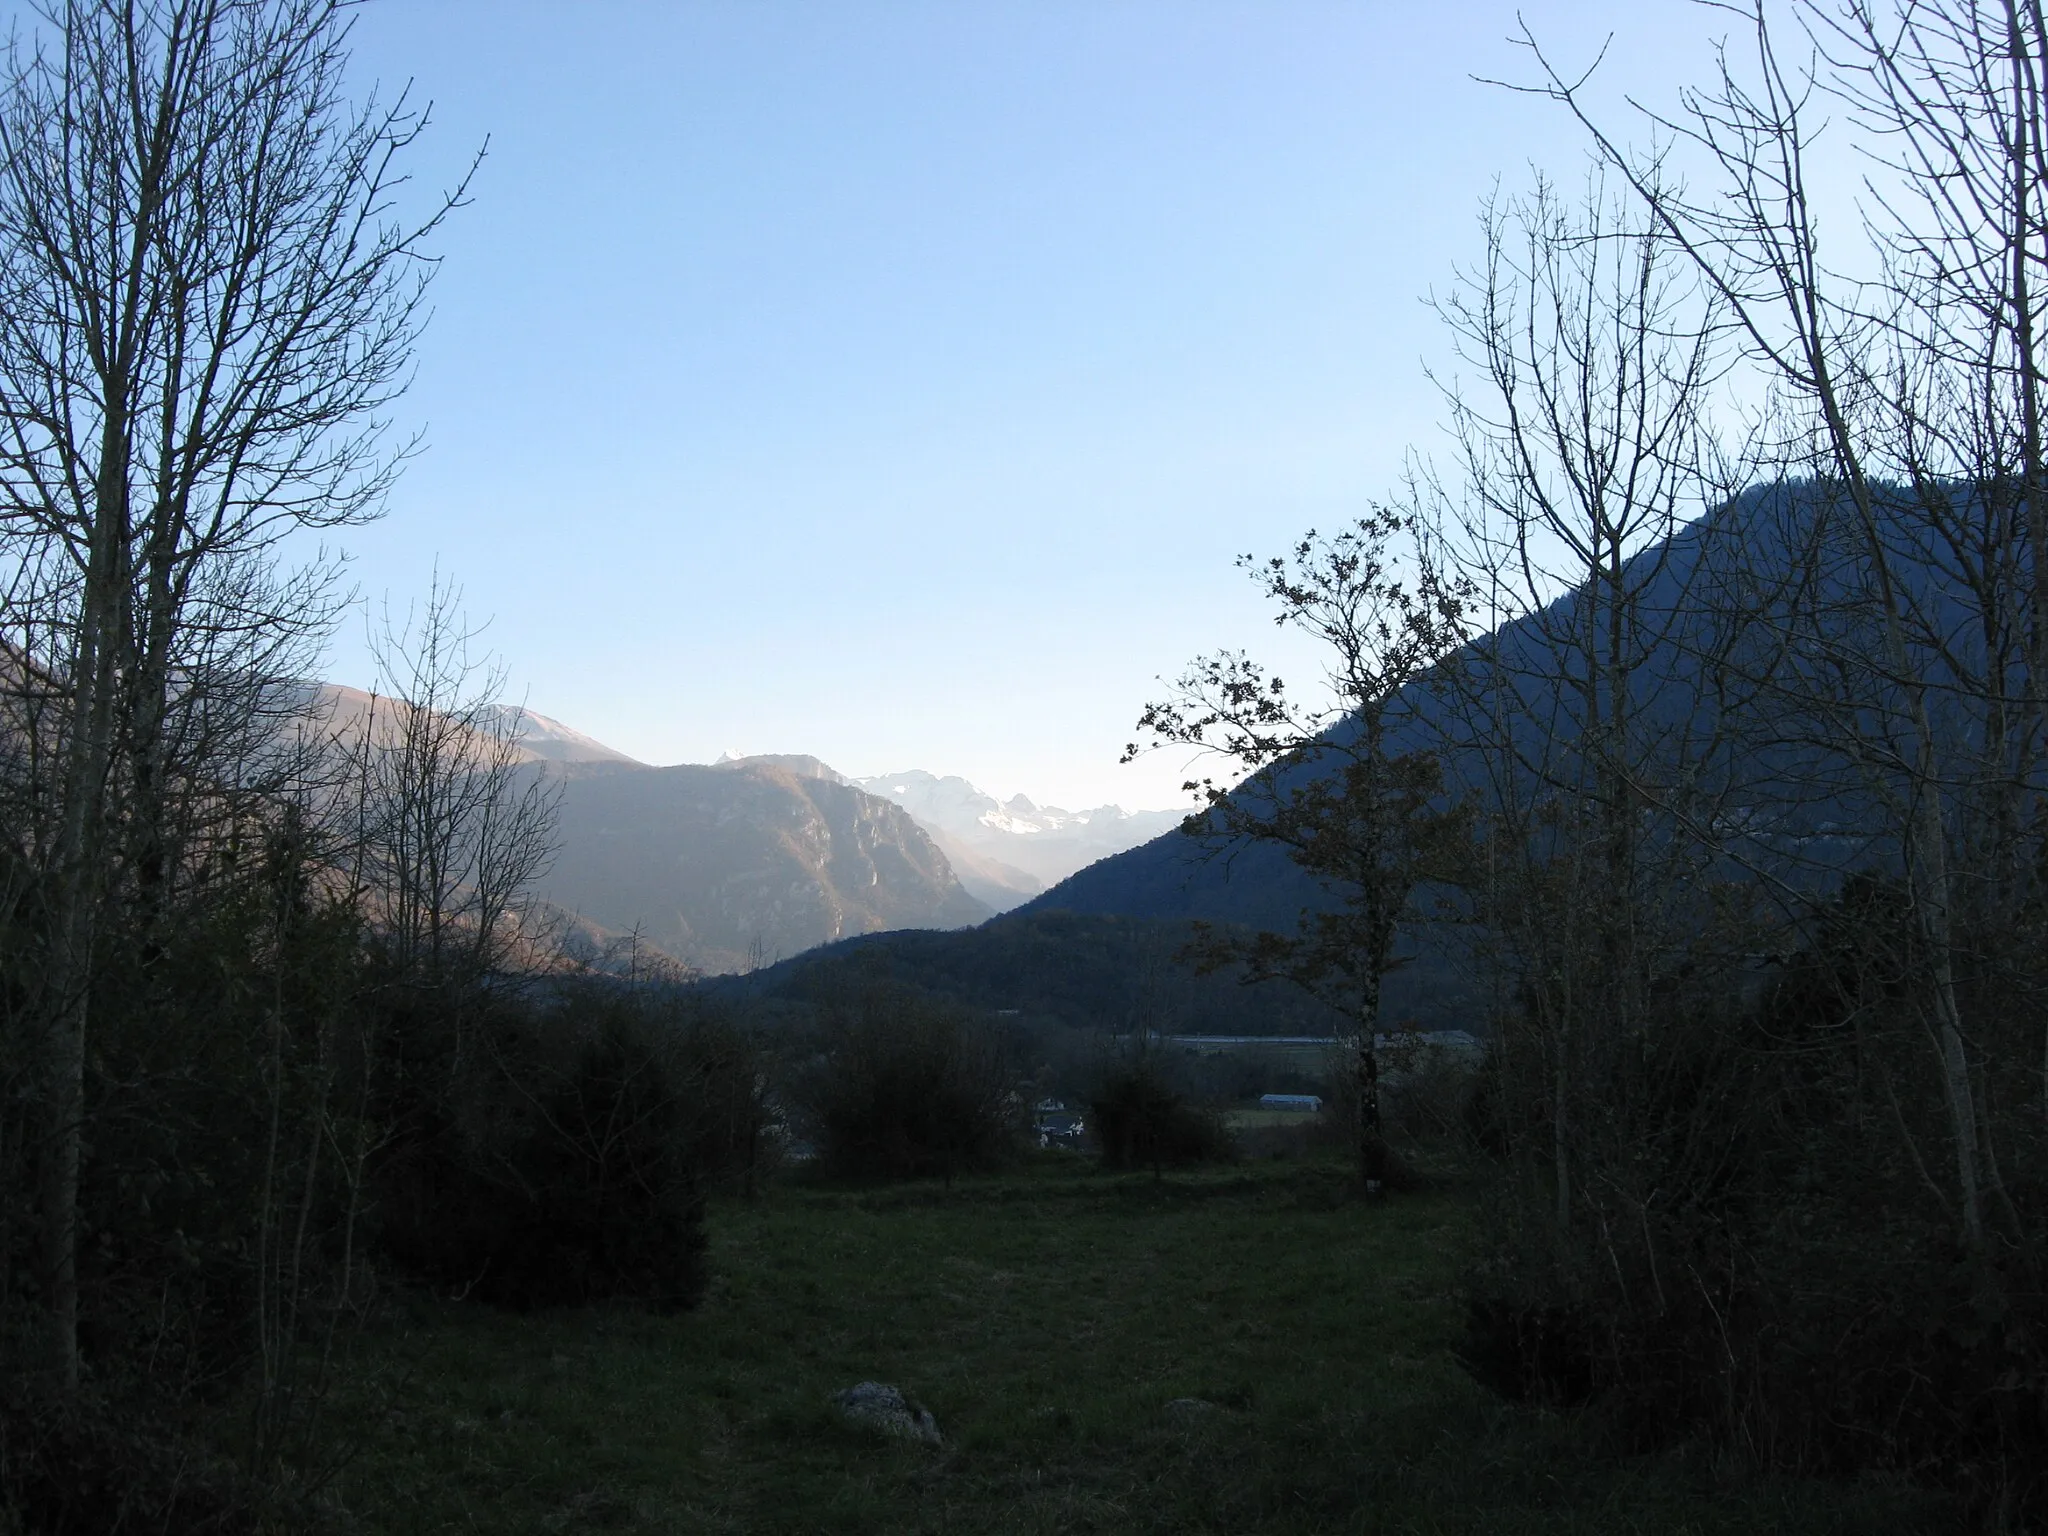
878, 1406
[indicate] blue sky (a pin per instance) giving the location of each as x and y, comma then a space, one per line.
896, 382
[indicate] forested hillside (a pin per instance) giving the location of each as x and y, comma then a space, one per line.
1088, 971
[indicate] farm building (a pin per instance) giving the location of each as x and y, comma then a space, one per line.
1310, 1102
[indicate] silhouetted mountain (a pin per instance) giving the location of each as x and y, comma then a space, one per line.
1177, 877
1085, 949
1775, 797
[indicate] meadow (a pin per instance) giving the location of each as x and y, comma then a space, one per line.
1055, 1320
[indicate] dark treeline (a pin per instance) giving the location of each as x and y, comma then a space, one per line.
1094, 972
333, 1056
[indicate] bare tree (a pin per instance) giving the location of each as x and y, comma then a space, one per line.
1587, 717
206, 298
1916, 393
457, 824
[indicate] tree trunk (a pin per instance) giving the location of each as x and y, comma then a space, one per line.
77, 876
1372, 1145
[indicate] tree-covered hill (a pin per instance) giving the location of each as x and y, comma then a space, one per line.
1098, 971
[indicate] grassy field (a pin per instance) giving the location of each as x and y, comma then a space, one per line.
1048, 1319
1259, 1119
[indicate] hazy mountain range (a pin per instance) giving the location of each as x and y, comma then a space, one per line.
1005, 852
729, 865
759, 858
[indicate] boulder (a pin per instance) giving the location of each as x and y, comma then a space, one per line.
878, 1406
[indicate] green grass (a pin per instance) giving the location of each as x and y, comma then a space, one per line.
1257, 1119
1047, 1318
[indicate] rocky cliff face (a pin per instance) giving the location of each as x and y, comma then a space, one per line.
741, 863
997, 885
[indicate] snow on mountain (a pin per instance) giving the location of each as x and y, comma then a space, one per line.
1002, 853
1045, 842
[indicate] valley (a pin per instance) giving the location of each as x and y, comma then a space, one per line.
1563, 1048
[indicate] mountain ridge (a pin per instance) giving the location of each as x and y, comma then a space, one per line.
724, 866
949, 853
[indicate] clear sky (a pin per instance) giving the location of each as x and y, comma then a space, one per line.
895, 382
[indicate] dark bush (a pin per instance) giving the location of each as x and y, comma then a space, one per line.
88, 1468
1141, 1122
900, 1085
1424, 1096
564, 1159
1527, 1352
223, 1047
1756, 1252
1426, 1092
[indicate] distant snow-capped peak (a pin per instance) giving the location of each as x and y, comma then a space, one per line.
1047, 841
